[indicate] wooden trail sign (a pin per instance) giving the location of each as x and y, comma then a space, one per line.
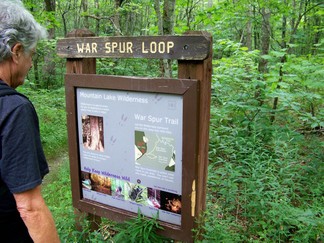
191, 47
139, 143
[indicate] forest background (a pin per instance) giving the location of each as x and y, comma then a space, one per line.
265, 174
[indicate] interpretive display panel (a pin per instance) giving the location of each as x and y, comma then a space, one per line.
130, 150
131, 137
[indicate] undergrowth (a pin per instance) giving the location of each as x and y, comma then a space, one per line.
264, 184
140, 230
57, 194
50, 106
265, 191
266, 171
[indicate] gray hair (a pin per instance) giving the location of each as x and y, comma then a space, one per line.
17, 25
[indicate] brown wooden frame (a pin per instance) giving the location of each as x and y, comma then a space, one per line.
188, 89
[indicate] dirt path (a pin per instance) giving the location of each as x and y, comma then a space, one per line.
54, 166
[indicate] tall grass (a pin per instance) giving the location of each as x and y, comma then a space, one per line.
57, 194
265, 179
265, 191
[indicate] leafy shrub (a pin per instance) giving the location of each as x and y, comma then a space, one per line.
139, 230
265, 178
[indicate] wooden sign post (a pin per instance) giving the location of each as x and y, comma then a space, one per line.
139, 144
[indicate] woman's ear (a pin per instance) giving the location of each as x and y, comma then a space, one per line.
17, 51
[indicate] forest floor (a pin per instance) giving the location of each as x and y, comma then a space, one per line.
54, 164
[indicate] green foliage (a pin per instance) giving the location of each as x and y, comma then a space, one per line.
139, 230
265, 179
266, 160
50, 107
305, 89
268, 189
47, 19
128, 67
57, 194
48, 69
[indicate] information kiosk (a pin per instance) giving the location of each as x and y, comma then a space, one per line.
139, 144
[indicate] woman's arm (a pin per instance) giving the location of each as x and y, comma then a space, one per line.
36, 216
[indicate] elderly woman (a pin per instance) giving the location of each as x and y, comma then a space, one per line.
24, 216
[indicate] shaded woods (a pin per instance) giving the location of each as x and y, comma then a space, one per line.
266, 130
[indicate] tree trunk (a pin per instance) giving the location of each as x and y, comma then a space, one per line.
98, 19
168, 28
248, 41
276, 99
116, 19
159, 16
49, 63
144, 23
210, 4
282, 61
165, 27
84, 4
50, 7
189, 10
256, 32
265, 39
265, 45
160, 31
317, 36
64, 23
168, 17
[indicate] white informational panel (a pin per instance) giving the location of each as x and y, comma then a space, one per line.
131, 150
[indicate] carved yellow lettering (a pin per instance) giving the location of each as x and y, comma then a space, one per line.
144, 50
108, 47
80, 47
129, 47
122, 47
113, 46
87, 48
153, 47
94, 47
161, 47
170, 45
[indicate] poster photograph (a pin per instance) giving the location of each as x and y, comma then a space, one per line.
130, 150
